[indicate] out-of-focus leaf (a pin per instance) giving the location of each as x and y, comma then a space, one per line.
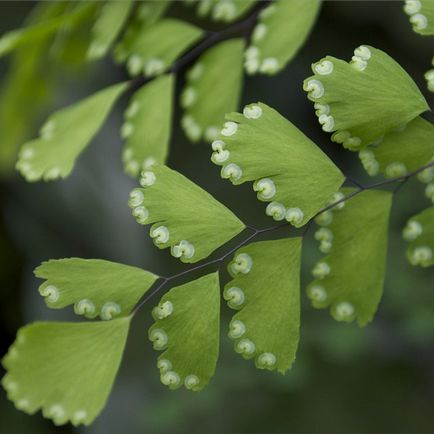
401, 151
32, 78
224, 10
146, 13
419, 231
112, 17
156, 47
350, 278
213, 89
64, 136
282, 29
16, 38
147, 126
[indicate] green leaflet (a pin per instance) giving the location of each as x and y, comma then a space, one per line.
287, 168
16, 38
429, 76
402, 151
29, 83
146, 13
108, 25
419, 231
421, 13
157, 46
186, 218
213, 89
224, 10
147, 126
266, 289
187, 327
65, 369
94, 286
350, 278
65, 135
373, 88
282, 29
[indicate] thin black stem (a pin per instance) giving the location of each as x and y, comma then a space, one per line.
354, 182
255, 231
210, 39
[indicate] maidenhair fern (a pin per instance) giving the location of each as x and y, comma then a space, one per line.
355, 87
370, 105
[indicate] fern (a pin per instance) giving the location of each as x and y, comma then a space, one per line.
370, 105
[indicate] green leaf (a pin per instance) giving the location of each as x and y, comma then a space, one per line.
65, 135
224, 10
421, 13
287, 168
147, 126
282, 29
30, 82
187, 328
146, 13
107, 27
364, 99
16, 38
350, 278
419, 231
94, 286
266, 290
212, 89
186, 217
157, 46
402, 151
65, 369
429, 76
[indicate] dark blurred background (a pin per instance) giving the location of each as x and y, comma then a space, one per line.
379, 379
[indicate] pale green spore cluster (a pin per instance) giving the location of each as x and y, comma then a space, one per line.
188, 234
186, 328
419, 232
377, 92
401, 151
257, 289
158, 45
223, 10
83, 284
273, 42
261, 146
216, 76
147, 126
336, 203
84, 307
421, 15
349, 279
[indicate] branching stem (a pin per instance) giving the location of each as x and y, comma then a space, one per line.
401, 180
210, 39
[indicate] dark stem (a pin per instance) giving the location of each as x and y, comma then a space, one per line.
255, 232
210, 39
